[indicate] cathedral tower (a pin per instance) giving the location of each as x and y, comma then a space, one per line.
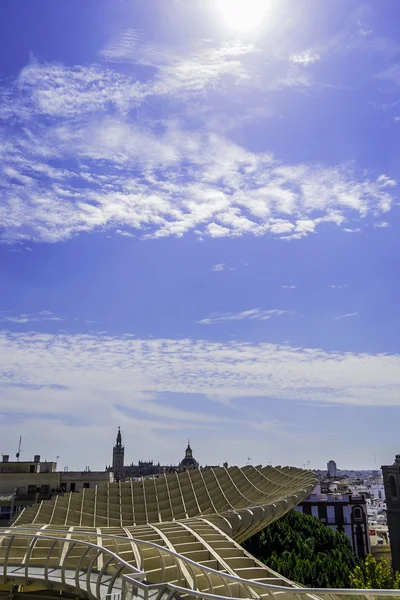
118, 458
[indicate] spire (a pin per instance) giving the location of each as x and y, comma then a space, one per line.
189, 451
119, 437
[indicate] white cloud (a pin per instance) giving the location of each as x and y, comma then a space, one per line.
382, 225
348, 230
254, 314
123, 233
222, 267
295, 78
184, 179
288, 287
43, 315
391, 74
188, 71
83, 386
345, 316
306, 57
94, 373
338, 286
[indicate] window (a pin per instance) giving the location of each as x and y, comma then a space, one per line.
31, 489
5, 513
86, 484
330, 510
72, 486
31, 468
357, 513
393, 487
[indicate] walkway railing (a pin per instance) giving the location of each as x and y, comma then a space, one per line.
96, 572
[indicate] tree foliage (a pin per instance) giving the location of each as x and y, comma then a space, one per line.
305, 550
373, 574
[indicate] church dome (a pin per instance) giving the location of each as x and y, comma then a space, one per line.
189, 462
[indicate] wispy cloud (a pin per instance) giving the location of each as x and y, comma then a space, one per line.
222, 267
305, 58
254, 314
231, 191
43, 315
94, 372
123, 233
288, 287
338, 286
185, 179
180, 72
345, 316
382, 225
348, 230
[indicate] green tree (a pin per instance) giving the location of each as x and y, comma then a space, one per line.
373, 574
303, 549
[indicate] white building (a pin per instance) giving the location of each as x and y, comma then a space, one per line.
377, 490
74, 481
345, 512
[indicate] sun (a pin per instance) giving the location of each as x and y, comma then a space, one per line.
243, 15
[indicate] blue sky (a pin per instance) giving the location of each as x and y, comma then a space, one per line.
199, 225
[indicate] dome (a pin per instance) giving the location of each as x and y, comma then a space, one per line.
189, 462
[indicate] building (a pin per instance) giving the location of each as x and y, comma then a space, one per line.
19, 492
343, 512
145, 468
23, 483
332, 469
391, 481
75, 481
27, 466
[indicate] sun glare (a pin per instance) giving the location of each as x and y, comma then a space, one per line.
243, 15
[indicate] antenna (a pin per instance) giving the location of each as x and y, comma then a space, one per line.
248, 460
19, 448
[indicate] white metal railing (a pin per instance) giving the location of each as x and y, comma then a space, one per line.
88, 574
53, 567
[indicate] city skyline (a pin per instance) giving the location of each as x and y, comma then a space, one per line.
128, 460
199, 225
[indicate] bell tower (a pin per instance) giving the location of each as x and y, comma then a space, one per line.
391, 480
118, 458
